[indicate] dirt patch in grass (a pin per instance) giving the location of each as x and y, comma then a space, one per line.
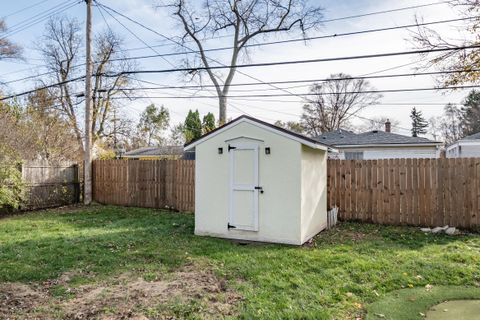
17, 300
190, 291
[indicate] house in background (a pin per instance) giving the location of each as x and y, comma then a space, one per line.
465, 147
158, 153
378, 144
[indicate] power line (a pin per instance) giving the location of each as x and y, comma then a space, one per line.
162, 87
341, 18
25, 24
386, 11
24, 9
238, 71
303, 39
306, 61
193, 51
181, 44
317, 94
275, 63
132, 33
215, 49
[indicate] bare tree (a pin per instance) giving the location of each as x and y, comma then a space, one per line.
7, 48
62, 49
448, 127
34, 130
335, 102
378, 123
294, 126
452, 124
465, 60
248, 20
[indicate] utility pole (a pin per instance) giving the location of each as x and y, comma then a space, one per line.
87, 169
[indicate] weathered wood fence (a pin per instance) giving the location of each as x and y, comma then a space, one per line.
420, 192
50, 185
151, 184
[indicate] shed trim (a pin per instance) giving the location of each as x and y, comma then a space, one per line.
264, 125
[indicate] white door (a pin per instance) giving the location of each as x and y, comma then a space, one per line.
244, 187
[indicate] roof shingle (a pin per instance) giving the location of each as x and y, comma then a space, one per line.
344, 137
156, 151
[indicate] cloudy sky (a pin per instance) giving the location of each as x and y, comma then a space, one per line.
269, 109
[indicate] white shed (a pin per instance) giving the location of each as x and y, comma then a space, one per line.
255, 181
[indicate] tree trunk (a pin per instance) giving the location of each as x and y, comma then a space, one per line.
222, 103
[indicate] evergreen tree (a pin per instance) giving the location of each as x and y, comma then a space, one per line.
419, 124
192, 126
208, 122
471, 113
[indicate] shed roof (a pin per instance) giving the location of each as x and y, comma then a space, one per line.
268, 126
341, 137
155, 151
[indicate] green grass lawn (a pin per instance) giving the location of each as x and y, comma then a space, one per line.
64, 258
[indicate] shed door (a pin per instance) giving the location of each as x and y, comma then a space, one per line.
244, 190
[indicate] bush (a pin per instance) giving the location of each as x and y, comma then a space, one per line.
12, 188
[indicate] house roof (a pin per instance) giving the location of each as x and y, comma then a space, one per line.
341, 137
475, 136
155, 151
268, 126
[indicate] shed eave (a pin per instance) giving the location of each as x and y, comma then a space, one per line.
269, 128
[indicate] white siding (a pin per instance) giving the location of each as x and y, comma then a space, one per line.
372, 153
464, 149
314, 192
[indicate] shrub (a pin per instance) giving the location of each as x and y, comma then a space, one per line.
12, 188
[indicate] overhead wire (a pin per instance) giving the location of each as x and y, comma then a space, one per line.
40, 17
24, 9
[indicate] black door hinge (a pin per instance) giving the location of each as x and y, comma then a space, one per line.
229, 226
230, 148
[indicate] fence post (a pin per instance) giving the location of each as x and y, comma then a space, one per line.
76, 183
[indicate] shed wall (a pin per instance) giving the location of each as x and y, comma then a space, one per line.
314, 192
280, 177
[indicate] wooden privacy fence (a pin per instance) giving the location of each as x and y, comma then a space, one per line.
50, 185
420, 192
152, 183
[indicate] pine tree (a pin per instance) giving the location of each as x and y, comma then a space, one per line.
208, 122
419, 124
192, 126
471, 113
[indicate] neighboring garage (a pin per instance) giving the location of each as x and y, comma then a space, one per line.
255, 181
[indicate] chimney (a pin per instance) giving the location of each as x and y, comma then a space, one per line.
388, 126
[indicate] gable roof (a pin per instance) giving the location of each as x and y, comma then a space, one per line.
341, 138
475, 136
154, 151
262, 124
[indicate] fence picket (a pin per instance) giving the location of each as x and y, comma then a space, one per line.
423, 192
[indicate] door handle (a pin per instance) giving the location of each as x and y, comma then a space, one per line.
259, 188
